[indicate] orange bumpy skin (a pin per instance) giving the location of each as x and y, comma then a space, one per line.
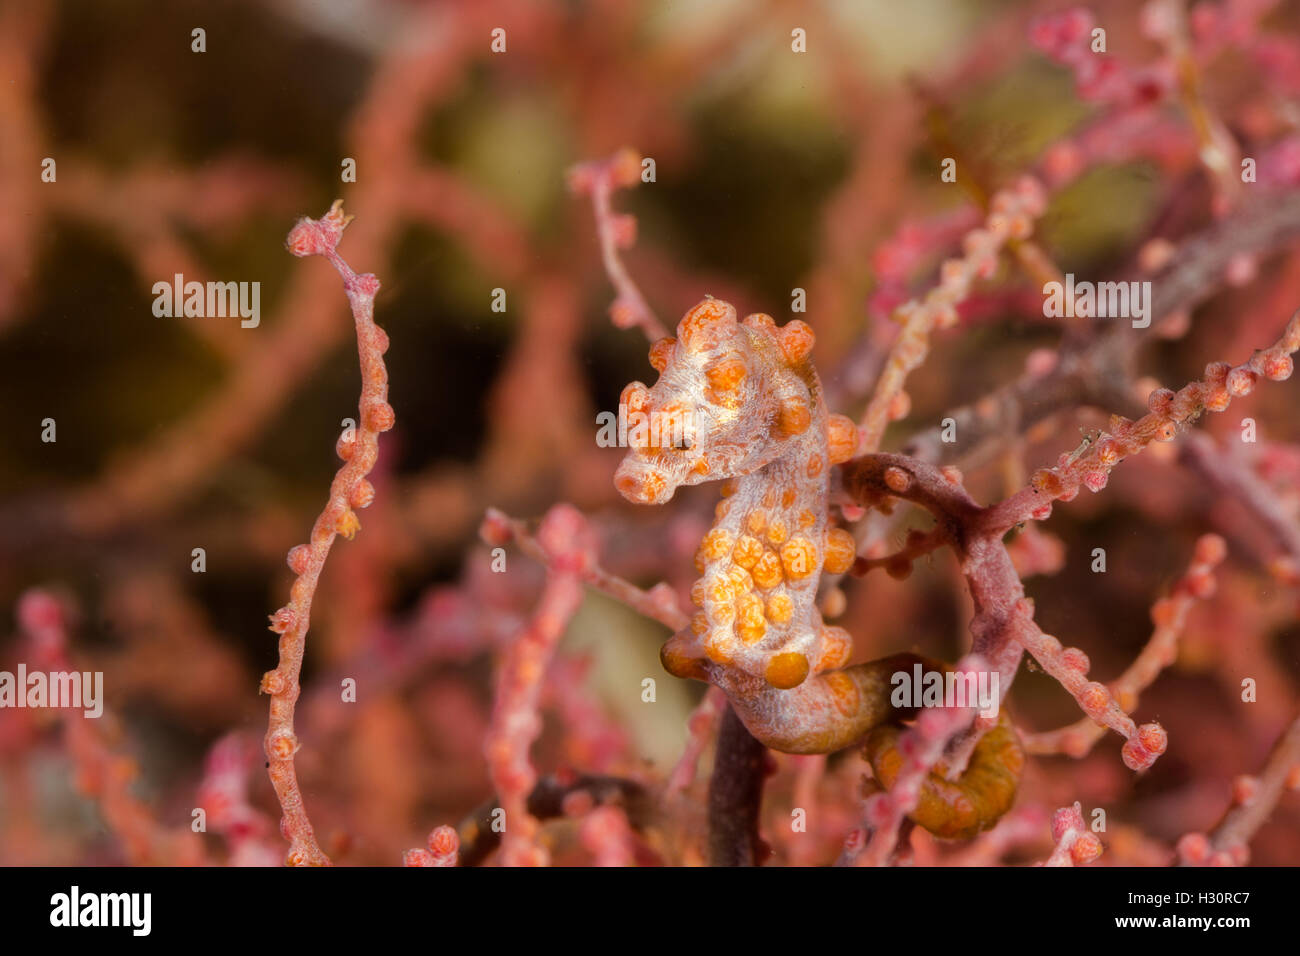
753, 405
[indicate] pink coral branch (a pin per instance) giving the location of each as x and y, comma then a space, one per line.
1100, 78
1169, 615
558, 794
102, 773
700, 727
1165, 21
1233, 477
1011, 216
899, 564
608, 837
223, 794
659, 603
1091, 466
922, 747
565, 541
1003, 626
1069, 667
444, 848
349, 491
1075, 843
1253, 801
1023, 825
599, 179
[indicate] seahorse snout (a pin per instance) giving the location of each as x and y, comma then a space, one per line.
642, 483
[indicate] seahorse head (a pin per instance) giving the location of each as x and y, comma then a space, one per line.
729, 394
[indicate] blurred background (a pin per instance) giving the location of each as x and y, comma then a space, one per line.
776, 171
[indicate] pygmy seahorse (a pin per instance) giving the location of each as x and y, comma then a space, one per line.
741, 401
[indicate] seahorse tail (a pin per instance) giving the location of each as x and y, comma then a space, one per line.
825, 713
957, 809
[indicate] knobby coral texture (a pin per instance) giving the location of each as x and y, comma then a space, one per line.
975, 322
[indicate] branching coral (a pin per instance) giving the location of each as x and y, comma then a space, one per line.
1169, 615
1253, 798
750, 407
1171, 170
1011, 217
564, 539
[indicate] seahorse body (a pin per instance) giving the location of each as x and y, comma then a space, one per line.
749, 402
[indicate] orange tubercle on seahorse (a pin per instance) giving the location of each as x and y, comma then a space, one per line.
841, 438
841, 550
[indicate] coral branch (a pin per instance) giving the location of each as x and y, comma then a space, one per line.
736, 796
608, 837
443, 847
349, 491
101, 772
1165, 21
1254, 799
565, 541
600, 179
1012, 215
659, 603
699, 726
223, 793
1097, 369
478, 836
1232, 477
1003, 625
1169, 614
908, 766
1065, 37
1075, 843
1169, 411
899, 564
1022, 825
